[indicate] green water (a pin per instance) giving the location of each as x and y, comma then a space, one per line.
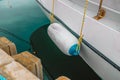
18, 19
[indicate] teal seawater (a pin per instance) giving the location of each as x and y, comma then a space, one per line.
19, 19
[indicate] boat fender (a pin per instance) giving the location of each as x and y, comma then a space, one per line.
63, 39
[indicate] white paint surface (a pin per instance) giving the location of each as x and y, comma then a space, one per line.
104, 35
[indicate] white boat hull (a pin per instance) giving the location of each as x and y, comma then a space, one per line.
99, 35
111, 4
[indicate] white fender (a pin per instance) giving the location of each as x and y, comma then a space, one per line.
63, 39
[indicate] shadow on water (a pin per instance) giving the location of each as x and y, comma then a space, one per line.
55, 62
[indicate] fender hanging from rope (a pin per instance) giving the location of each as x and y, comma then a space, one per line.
63, 39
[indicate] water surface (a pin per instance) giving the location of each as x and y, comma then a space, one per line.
18, 19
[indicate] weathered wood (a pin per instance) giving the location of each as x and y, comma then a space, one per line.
5, 58
31, 62
15, 71
8, 46
63, 78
